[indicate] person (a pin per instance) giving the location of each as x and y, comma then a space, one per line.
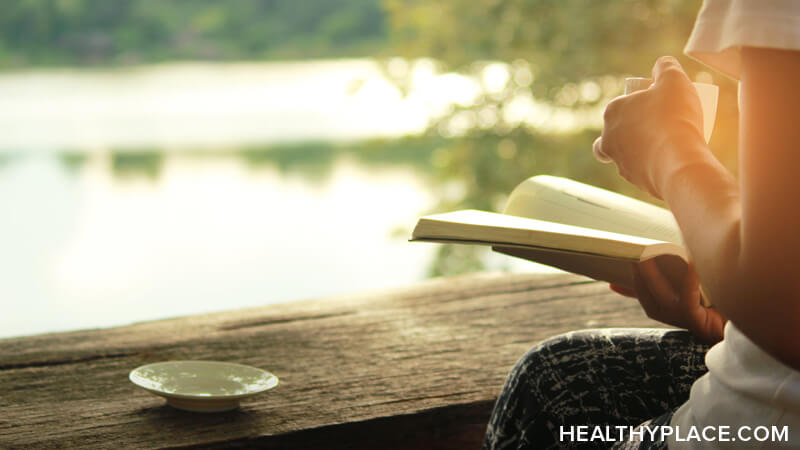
742, 236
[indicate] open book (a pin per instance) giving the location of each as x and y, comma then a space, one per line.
571, 226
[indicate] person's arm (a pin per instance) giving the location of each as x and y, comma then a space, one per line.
764, 299
742, 236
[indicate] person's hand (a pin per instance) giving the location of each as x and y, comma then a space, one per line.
646, 132
682, 309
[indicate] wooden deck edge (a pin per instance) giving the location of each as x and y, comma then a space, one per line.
456, 427
389, 369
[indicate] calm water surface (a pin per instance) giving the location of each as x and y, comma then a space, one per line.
209, 106
84, 246
86, 249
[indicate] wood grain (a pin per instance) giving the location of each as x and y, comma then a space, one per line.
417, 367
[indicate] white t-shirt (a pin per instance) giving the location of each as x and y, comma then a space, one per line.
723, 27
744, 386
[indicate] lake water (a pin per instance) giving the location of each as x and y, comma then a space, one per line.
209, 106
85, 245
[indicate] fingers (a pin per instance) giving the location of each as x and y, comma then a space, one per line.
656, 294
650, 305
691, 289
661, 302
597, 150
668, 69
715, 324
656, 282
705, 323
622, 290
602, 148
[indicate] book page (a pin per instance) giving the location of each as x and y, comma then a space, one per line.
570, 202
480, 227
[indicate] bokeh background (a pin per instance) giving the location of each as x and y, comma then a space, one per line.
163, 158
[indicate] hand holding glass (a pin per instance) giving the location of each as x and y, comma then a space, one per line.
708, 93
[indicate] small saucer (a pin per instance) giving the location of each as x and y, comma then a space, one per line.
202, 386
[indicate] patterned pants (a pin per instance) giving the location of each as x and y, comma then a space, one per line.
608, 377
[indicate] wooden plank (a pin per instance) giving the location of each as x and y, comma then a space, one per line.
391, 369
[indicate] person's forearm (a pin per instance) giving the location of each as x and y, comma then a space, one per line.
742, 236
748, 288
704, 198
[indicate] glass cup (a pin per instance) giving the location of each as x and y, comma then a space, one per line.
708, 93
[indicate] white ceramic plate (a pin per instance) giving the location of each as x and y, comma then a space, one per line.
202, 386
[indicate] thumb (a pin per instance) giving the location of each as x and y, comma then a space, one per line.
691, 286
667, 69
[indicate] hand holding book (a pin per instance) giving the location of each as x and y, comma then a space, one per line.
572, 226
635, 246
682, 308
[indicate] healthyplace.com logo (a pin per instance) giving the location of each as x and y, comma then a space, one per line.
721, 433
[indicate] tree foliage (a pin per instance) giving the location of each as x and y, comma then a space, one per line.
564, 40
573, 55
80, 32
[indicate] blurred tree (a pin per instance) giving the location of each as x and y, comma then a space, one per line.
80, 32
566, 58
566, 41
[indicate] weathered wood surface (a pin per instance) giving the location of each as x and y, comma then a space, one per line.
415, 367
